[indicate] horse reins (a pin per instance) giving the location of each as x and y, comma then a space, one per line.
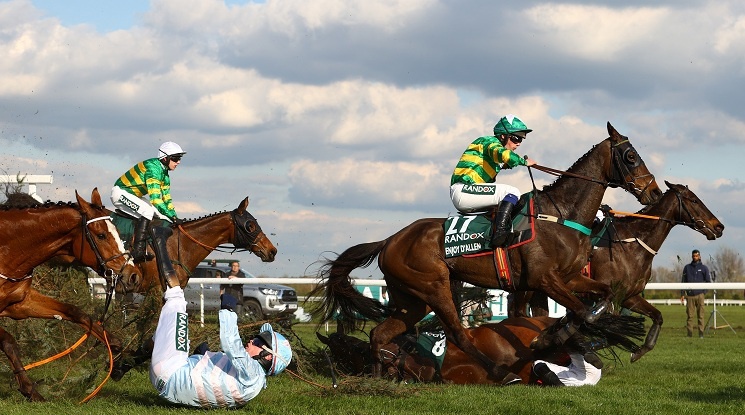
250, 238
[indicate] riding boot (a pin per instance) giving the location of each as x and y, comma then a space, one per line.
168, 275
502, 224
545, 375
139, 247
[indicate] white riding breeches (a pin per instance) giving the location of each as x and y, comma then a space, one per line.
469, 198
133, 205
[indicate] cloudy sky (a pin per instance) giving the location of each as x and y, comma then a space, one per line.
343, 119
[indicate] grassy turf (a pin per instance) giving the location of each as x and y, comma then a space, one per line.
681, 376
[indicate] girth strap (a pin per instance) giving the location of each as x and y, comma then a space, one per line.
568, 223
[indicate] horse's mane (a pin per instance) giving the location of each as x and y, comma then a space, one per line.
647, 208
579, 160
206, 216
45, 205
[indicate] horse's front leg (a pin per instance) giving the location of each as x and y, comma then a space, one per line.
10, 347
639, 305
38, 305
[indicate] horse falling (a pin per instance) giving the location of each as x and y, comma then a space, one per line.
31, 236
418, 275
626, 263
507, 342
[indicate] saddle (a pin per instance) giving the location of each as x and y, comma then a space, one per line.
470, 234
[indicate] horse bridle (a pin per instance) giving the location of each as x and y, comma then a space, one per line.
693, 223
625, 158
244, 237
108, 273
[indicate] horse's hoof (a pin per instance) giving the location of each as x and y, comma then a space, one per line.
636, 356
539, 343
511, 379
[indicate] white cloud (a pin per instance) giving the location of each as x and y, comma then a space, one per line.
594, 33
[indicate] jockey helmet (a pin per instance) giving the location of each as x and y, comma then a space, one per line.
510, 124
169, 148
280, 350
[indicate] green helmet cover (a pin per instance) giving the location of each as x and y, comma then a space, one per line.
509, 124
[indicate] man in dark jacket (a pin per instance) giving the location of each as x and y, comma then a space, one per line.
694, 299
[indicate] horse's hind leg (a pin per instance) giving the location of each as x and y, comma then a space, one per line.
10, 347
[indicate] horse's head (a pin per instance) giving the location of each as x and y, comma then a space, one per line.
629, 171
104, 250
694, 214
248, 234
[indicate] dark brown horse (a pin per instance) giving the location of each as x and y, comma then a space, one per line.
31, 236
625, 264
506, 342
190, 243
418, 275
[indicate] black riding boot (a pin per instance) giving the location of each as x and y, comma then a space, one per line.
139, 247
502, 224
165, 267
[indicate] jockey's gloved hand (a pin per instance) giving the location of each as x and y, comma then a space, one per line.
605, 208
177, 221
228, 302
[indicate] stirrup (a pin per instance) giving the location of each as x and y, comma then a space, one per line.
138, 258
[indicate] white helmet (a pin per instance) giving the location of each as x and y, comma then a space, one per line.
169, 148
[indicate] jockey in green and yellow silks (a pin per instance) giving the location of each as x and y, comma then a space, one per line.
144, 192
150, 178
473, 186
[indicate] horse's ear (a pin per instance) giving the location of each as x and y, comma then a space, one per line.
242, 207
96, 197
322, 338
81, 201
669, 186
611, 131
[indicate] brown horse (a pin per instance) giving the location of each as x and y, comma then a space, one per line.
418, 275
31, 236
192, 241
188, 246
506, 342
625, 263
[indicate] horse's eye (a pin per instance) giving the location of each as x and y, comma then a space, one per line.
631, 157
251, 226
101, 236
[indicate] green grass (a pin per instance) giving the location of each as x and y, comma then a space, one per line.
681, 376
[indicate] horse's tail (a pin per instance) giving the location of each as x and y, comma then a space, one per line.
341, 301
609, 330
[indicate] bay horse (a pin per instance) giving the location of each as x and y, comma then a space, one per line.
418, 275
506, 342
625, 263
195, 239
192, 242
30, 237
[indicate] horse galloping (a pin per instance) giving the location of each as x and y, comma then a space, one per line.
626, 263
418, 275
31, 236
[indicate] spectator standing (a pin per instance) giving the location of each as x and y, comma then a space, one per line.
235, 290
694, 299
